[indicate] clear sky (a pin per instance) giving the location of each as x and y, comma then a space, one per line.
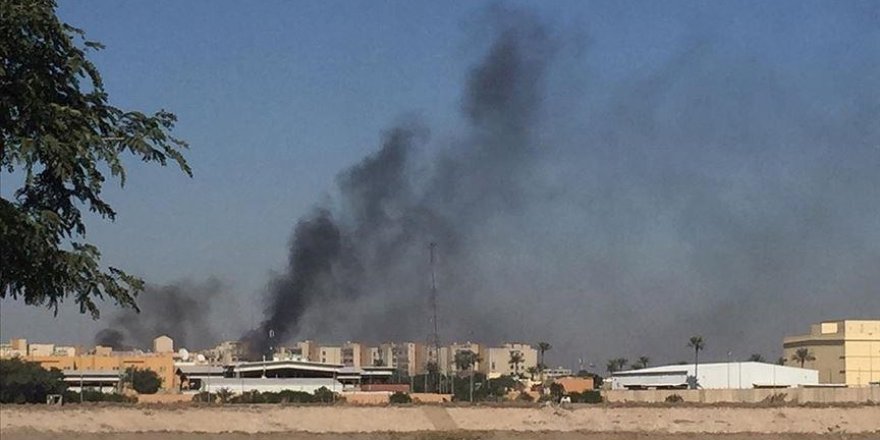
276, 97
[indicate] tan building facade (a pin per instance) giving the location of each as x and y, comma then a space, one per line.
448, 353
308, 350
845, 352
498, 359
163, 364
329, 354
355, 354
408, 358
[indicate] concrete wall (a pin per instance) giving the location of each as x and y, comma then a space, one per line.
790, 395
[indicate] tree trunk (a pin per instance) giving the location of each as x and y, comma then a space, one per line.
472, 385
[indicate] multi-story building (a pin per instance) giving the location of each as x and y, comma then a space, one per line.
21, 348
355, 354
15, 348
498, 360
307, 350
41, 349
844, 352
103, 359
448, 353
226, 352
329, 354
376, 356
409, 358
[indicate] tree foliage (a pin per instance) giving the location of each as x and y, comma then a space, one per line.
617, 364
516, 359
28, 382
465, 360
803, 355
543, 347
143, 381
59, 140
399, 398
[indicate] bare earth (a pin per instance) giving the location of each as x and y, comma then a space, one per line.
436, 422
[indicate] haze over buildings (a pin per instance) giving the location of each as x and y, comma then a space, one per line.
588, 185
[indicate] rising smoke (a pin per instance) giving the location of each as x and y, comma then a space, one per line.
707, 195
181, 310
374, 247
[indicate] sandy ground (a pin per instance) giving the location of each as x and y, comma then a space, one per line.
396, 422
462, 435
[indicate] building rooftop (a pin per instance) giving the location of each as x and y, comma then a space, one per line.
689, 368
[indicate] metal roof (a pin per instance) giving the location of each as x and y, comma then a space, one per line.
200, 369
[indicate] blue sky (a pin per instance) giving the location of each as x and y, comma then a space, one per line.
276, 97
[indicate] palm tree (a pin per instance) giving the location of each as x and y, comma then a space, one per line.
466, 360
516, 358
615, 365
697, 343
803, 356
756, 358
543, 347
641, 363
532, 372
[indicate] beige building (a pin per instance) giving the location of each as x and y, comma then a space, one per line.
328, 354
308, 350
408, 358
845, 352
15, 348
225, 352
447, 356
21, 348
67, 359
163, 344
41, 349
355, 354
498, 360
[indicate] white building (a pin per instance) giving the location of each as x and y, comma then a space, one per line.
730, 375
240, 385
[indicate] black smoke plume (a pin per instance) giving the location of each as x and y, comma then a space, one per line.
109, 337
373, 245
712, 191
180, 310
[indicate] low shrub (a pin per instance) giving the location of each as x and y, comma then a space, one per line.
399, 398
322, 395
589, 396
204, 396
97, 396
775, 399
674, 398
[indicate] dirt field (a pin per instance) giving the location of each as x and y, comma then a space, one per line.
416, 422
462, 435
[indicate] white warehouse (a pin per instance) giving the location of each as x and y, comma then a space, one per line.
726, 375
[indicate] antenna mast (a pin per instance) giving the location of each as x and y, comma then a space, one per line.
435, 336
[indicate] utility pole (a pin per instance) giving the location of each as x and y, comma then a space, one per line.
435, 336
